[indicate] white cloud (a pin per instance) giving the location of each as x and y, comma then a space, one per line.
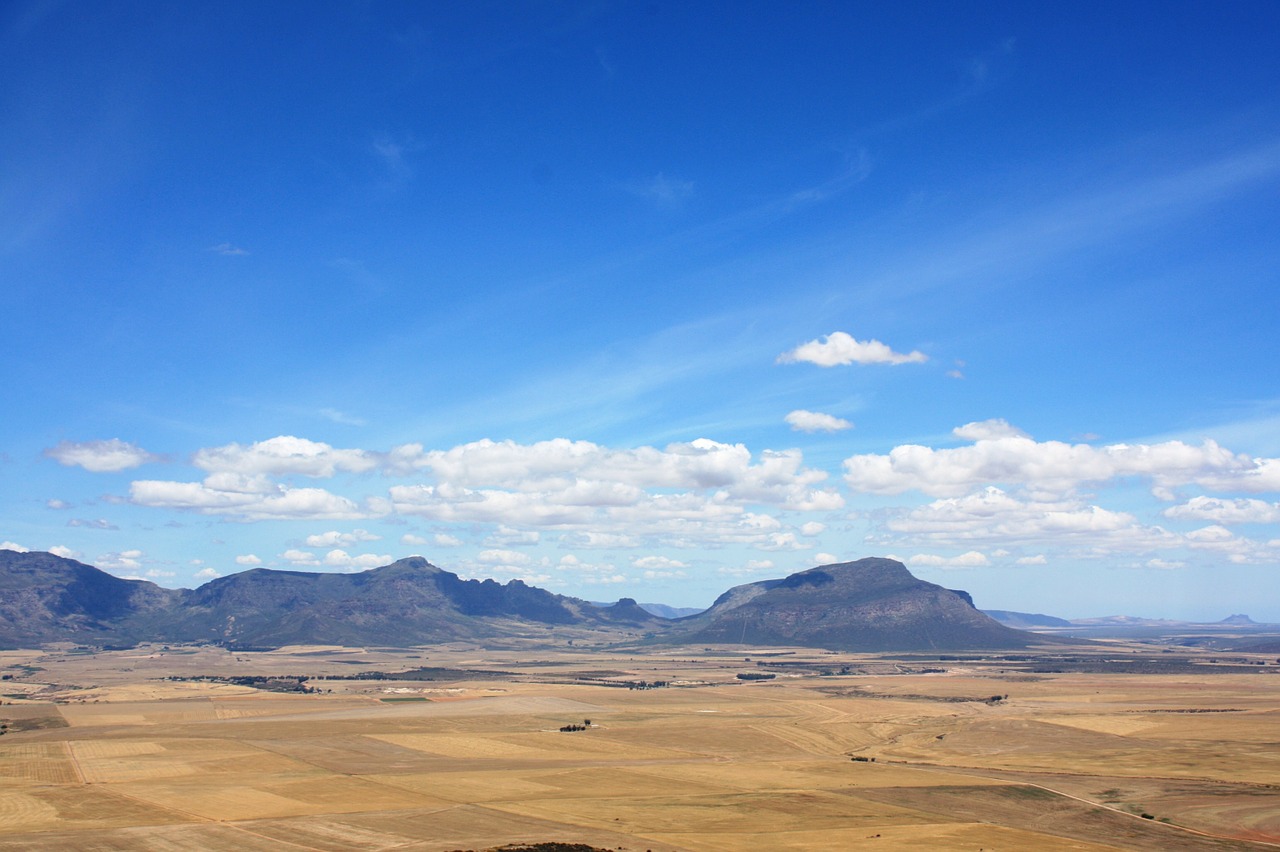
502, 557
585, 474
987, 430
599, 540
511, 537
125, 560
446, 540
412, 540
65, 552
657, 563
826, 558
1164, 564
971, 559
839, 348
813, 421
55, 503
284, 455
341, 559
1239, 511
1002, 455
207, 574
1038, 559
229, 250
333, 538
249, 499
812, 528
751, 567
248, 559
782, 541
110, 456
992, 515
14, 546
299, 557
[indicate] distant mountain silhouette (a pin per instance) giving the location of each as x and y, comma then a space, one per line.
869, 605
1026, 620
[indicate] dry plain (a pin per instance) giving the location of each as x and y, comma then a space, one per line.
460, 747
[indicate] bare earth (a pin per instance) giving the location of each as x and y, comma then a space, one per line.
160, 749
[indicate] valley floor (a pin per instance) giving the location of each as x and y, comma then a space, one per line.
159, 748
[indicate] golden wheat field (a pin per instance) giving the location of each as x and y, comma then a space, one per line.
109, 751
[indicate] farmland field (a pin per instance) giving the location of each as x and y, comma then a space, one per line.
461, 747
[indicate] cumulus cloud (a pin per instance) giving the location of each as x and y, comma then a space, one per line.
814, 421
64, 552
55, 503
128, 561
248, 498
498, 556
1003, 455
696, 490
282, 456
412, 540
110, 456
840, 348
446, 540
657, 563
1223, 511
812, 528
971, 559
14, 546
299, 557
511, 537
248, 559
339, 558
333, 538
826, 558
992, 515
1038, 559
207, 574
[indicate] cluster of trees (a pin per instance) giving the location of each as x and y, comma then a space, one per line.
586, 723
273, 683
756, 676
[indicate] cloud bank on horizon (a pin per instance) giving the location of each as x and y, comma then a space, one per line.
648, 327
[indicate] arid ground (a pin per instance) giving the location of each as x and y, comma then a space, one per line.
201, 748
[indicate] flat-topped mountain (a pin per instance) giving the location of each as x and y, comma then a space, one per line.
868, 605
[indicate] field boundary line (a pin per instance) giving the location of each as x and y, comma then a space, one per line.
942, 771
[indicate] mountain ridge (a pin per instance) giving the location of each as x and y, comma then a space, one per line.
871, 604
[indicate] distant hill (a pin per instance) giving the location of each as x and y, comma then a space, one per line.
1025, 620
664, 611
868, 605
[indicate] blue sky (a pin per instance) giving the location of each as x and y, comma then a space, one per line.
649, 299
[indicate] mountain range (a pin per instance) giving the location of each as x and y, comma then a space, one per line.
867, 605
